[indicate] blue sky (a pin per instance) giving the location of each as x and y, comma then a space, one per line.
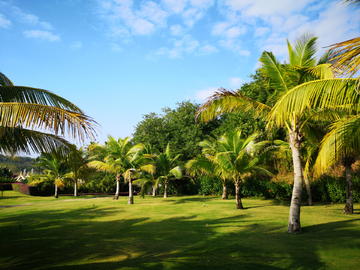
120, 59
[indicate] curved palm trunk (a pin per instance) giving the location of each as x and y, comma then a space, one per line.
238, 195
56, 192
294, 215
154, 191
131, 195
75, 188
349, 207
308, 190
225, 192
165, 189
116, 197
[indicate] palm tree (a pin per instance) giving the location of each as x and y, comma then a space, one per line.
55, 167
240, 158
28, 114
111, 157
135, 163
302, 68
206, 164
166, 169
78, 168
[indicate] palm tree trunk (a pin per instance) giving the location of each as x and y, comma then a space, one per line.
238, 195
294, 215
165, 189
75, 188
116, 197
56, 192
154, 191
131, 195
349, 207
225, 192
308, 190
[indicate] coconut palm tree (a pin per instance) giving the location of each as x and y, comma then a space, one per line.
135, 164
32, 119
166, 169
206, 164
55, 168
78, 168
301, 69
240, 158
111, 157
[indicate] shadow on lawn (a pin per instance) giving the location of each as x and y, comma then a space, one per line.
79, 239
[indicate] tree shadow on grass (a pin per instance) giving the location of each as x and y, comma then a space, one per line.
99, 238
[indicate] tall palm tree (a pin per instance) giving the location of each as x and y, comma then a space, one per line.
111, 157
301, 69
78, 168
166, 169
55, 167
240, 158
206, 164
135, 163
32, 119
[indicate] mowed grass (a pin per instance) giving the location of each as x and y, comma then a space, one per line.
173, 233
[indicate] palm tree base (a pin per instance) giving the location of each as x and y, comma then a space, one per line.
116, 197
348, 209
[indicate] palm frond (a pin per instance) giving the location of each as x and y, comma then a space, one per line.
347, 56
226, 101
275, 71
18, 140
330, 93
340, 141
56, 120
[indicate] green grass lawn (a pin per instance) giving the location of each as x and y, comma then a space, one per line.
173, 233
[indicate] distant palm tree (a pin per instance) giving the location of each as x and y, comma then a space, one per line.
78, 167
166, 169
111, 157
55, 168
206, 164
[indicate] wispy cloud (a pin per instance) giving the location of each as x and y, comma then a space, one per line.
4, 22
115, 47
236, 82
76, 45
203, 94
41, 35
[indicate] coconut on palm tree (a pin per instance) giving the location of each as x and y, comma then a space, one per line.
301, 69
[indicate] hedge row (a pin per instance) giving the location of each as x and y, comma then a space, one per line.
326, 188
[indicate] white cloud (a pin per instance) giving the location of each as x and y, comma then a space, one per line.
76, 45
115, 47
4, 22
177, 30
41, 35
234, 45
236, 82
46, 25
175, 6
153, 13
208, 49
260, 31
203, 94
